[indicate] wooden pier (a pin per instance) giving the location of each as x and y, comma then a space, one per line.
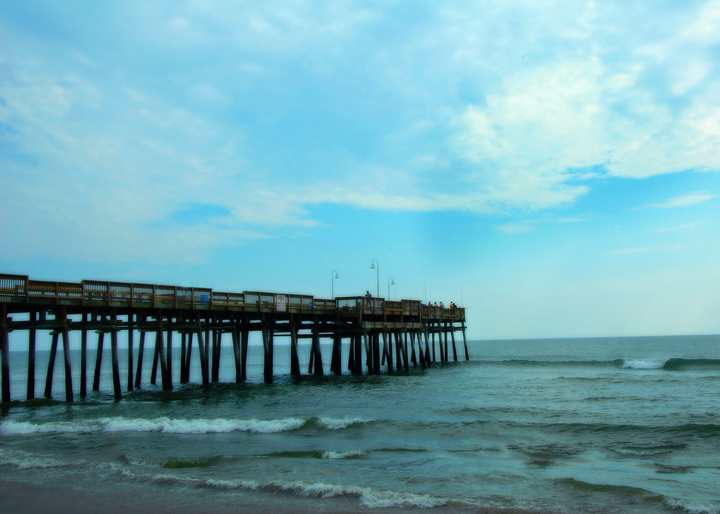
393, 334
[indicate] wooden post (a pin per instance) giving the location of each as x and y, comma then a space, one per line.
5, 343
203, 353
168, 356
83, 355
184, 371
66, 355
404, 339
217, 340
115, 361
141, 352
208, 354
452, 335
421, 354
245, 340
131, 349
427, 347
398, 352
294, 352
98, 360
413, 356
358, 355
387, 350
467, 355
51, 365
351, 355
376, 352
236, 352
434, 355
160, 347
368, 351
445, 333
268, 347
31, 358
316, 348
156, 358
188, 356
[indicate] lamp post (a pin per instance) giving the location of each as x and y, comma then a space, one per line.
373, 266
391, 282
332, 282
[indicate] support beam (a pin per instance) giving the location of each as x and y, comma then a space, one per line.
452, 335
316, 349
217, 341
184, 369
237, 354
294, 351
245, 341
162, 357
31, 359
66, 355
376, 352
467, 355
98, 361
5, 344
115, 364
141, 352
131, 350
51, 365
268, 347
168, 356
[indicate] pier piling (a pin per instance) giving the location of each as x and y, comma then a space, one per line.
114, 307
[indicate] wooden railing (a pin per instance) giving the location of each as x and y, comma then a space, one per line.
93, 293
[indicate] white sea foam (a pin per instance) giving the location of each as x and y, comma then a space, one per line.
369, 498
165, 425
692, 507
637, 364
642, 453
344, 455
340, 423
25, 428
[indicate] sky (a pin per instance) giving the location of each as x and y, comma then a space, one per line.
552, 166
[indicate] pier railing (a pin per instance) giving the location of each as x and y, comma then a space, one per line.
93, 293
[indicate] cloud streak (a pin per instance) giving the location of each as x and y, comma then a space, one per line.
680, 201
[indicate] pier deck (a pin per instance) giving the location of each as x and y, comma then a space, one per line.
204, 315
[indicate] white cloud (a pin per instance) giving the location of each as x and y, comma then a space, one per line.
680, 201
678, 228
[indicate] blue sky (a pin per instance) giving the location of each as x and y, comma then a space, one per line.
551, 165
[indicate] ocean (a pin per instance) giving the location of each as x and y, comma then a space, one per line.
601, 425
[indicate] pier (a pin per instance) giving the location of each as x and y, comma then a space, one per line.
381, 334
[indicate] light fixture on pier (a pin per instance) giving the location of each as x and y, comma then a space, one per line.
372, 266
391, 282
332, 282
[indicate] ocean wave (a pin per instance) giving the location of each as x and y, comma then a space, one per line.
340, 423
642, 364
648, 452
368, 497
164, 425
672, 364
692, 507
356, 454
